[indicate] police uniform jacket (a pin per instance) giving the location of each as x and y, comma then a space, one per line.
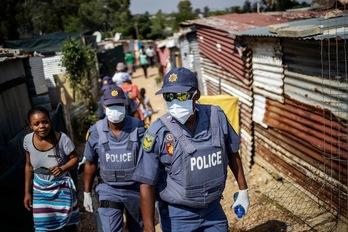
162, 156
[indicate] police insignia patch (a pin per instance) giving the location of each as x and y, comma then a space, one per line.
170, 148
148, 142
114, 93
172, 78
169, 137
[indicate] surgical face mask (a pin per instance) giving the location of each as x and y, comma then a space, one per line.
115, 114
180, 110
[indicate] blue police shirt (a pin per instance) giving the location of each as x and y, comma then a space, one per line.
156, 159
91, 151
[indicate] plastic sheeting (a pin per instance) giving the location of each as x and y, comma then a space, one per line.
228, 104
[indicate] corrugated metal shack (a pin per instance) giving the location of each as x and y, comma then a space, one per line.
15, 101
292, 92
300, 87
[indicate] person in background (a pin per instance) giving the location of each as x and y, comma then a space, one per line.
106, 81
150, 52
120, 71
129, 59
50, 192
146, 106
112, 147
132, 94
184, 160
143, 61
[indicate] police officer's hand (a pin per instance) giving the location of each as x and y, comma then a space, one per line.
87, 202
243, 200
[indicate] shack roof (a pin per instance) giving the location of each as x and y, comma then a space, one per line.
248, 21
328, 28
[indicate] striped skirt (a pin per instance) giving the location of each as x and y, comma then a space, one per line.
54, 203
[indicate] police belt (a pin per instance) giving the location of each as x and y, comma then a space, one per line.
110, 204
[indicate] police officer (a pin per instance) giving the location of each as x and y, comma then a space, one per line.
106, 82
184, 159
114, 142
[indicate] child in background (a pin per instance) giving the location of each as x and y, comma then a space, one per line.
146, 106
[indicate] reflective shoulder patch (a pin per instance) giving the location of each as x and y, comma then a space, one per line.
87, 135
146, 125
148, 142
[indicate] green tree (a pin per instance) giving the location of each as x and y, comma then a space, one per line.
206, 11
92, 15
144, 25
247, 7
78, 60
158, 26
119, 17
185, 13
8, 23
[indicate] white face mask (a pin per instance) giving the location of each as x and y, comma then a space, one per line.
115, 114
180, 110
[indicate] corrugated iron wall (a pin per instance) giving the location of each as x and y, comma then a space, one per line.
38, 91
316, 74
13, 93
194, 52
316, 80
187, 58
37, 71
224, 72
51, 66
14, 105
301, 114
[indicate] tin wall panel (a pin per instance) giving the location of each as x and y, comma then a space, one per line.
11, 69
220, 47
186, 57
52, 65
267, 68
14, 105
317, 74
300, 113
37, 71
316, 175
194, 52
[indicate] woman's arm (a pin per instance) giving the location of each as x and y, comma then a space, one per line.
72, 162
28, 199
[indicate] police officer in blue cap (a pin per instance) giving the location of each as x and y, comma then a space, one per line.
106, 82
114, 142
184, 158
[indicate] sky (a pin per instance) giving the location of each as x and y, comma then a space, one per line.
169, 6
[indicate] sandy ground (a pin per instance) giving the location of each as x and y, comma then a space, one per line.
264, 213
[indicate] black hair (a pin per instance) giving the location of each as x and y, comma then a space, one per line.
142, 92
51, 134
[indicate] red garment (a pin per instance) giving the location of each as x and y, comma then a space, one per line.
133, 93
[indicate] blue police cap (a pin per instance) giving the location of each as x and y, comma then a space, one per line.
106, 82
113, 94
178, 80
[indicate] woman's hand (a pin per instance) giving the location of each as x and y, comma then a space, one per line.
56, 171
28, 201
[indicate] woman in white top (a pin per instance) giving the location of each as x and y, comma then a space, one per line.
50, 192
